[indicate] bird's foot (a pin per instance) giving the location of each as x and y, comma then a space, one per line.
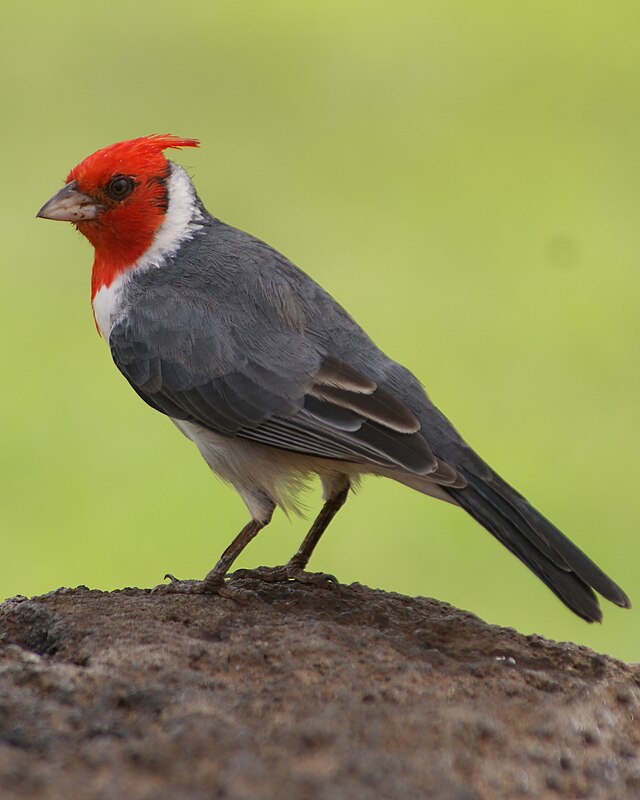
289, 572
212, 584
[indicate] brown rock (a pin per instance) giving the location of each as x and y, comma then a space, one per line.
302, 693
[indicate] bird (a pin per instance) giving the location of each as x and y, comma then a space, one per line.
272, 379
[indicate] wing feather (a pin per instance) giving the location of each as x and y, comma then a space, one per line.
267, 385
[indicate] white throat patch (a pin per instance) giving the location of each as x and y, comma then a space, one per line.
179, 225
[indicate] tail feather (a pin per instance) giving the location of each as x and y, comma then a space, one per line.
562, 566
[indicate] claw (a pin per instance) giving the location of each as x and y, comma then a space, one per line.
322, 579
176, 586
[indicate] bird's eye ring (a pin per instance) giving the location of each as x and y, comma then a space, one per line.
119, 187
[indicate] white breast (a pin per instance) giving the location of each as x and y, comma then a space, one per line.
106, 305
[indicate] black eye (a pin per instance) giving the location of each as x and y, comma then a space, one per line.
120, 186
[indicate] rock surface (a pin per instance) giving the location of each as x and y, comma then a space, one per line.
302, 693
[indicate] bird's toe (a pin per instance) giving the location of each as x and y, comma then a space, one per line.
286, 573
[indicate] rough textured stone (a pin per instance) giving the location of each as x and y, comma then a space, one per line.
302, 693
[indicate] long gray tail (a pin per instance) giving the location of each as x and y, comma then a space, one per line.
563, 567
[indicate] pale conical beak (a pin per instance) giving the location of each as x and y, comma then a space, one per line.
70, 205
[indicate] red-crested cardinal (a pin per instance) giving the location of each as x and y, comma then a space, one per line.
269, 377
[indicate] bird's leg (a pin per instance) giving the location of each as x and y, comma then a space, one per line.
214, 581
299, 561
294, 569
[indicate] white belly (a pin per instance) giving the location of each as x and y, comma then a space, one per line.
258, 471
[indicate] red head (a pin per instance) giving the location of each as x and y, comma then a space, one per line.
117, 198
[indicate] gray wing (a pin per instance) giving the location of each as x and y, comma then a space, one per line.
238, 372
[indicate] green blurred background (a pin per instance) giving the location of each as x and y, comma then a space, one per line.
463, 176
